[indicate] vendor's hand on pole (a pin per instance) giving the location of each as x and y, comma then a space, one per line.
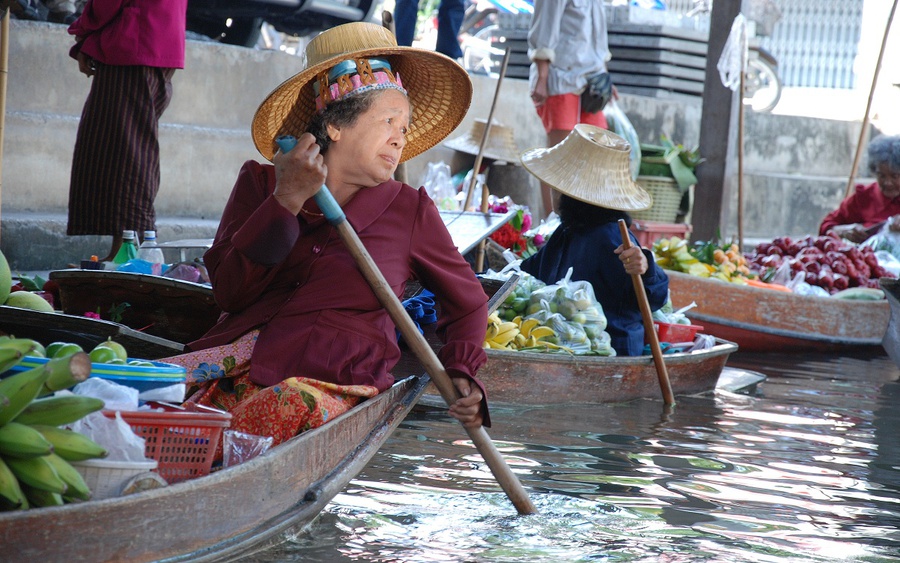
633, 259
299, 174
467, 409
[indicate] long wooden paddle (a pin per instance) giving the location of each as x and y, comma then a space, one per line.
649, 329
414, 339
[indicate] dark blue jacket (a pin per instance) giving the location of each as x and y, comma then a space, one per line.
590, 253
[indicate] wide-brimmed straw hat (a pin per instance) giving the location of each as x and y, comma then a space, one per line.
592, 165
438, 88
500, 144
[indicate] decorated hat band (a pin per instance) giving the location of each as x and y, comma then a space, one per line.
353, 77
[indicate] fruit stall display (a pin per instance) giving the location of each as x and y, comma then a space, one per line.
827, 262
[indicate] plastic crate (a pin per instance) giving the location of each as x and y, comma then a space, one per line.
648, 232
183, 441
666, 199
676, 333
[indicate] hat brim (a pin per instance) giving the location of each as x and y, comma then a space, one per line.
439, 91
589, 172
467, 145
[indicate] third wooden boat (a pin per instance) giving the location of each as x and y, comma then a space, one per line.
765, 320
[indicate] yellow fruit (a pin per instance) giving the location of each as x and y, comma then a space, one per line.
28, 300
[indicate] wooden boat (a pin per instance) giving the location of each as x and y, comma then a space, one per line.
225, 515
84, 331
765, 320
176, 310
891, 339
532, 378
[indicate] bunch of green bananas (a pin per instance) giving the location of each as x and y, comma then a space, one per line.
34, 451
517, 334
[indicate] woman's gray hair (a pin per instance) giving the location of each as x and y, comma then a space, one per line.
884, 149
342, 113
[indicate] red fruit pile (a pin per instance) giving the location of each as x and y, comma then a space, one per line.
826, 261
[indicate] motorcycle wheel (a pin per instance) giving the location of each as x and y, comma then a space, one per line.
762, 86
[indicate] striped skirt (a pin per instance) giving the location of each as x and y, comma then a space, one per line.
115, 166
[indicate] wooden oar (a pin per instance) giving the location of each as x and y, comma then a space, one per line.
414, 339
649, 329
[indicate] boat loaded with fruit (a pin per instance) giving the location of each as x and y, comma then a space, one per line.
788, 295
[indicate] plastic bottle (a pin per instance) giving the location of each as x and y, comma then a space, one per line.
128, 250
152, 253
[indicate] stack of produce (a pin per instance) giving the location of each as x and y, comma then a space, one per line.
562, 317
705, 259
826, 261
34, 450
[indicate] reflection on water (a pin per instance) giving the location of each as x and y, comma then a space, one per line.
807, 467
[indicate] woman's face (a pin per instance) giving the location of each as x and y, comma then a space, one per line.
888, 180
367, 152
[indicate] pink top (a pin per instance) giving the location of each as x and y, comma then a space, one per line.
132, 32
867, 206
318, 316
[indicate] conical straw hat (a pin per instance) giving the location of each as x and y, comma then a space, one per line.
439, 90
500, 144
592, 165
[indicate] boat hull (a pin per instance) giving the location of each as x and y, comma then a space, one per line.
891, 340
534, 378
764, 320
224, 516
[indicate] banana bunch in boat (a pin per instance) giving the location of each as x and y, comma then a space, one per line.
517, 334
35, 452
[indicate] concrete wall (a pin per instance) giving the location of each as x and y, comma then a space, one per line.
795, 167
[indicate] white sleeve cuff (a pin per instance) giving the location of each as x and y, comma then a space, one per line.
544, 53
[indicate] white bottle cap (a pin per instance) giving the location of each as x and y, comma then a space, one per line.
149, 234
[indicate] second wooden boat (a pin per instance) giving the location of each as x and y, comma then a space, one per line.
765, 320
224, 516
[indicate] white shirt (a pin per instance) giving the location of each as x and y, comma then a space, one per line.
571, 34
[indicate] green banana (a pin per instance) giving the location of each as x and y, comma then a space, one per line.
13, 350
77, 488
66, 372
37, 472
39, 497
70, 445
59, 410
21, 389
11, 495
20, 440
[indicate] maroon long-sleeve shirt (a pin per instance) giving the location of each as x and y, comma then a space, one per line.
866, 205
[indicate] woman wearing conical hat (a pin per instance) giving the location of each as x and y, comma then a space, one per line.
590, 170
303, 337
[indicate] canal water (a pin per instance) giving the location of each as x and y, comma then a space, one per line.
804, 467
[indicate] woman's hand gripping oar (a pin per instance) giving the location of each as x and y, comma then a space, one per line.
649, 329
333, 213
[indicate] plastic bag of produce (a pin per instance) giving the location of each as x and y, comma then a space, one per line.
439, 186
517, 301
571, 309
886, 240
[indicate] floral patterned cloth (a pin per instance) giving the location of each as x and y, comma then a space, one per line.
219, 378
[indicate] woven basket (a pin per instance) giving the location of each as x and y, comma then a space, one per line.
666, 199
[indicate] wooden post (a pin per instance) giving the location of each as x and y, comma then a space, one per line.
740, 157
715, 126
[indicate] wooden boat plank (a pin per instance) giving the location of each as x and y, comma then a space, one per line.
797, 321
225, 515
86, 332
891, 340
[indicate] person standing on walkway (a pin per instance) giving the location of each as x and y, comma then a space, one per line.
450, 17
131, 49
567, 43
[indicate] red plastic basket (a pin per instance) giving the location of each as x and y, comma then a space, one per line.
675, 333
183, 442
